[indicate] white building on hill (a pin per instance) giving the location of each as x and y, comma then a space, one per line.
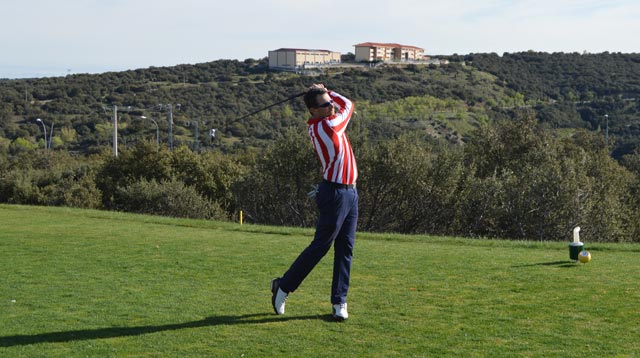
293, 59
385, 52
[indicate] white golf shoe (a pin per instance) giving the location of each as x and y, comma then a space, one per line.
340, 312
279, 297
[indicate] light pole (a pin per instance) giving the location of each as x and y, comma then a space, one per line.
115, 131
157, 132
44, 129
50, 134
169, 107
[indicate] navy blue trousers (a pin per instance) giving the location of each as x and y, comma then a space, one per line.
337, 223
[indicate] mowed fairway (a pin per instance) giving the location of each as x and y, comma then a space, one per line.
78, 283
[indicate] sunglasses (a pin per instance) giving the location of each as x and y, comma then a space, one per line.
326, 104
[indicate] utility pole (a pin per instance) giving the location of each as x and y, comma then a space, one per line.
115, 131
129, 109
170, 124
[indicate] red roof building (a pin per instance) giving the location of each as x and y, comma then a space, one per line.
375, 51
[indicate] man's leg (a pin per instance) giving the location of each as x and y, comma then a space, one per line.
330, 221
307, 260
343, 251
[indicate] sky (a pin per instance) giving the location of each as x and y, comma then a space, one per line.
44, 38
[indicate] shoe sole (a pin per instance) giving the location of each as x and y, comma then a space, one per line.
275, 285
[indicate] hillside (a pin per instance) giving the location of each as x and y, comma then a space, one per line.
586, 90
216, 93
469, 149
565, 90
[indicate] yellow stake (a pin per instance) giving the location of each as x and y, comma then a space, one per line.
240, 217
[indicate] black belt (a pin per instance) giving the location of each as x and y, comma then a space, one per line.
339, 186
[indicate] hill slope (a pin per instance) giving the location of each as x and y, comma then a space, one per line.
565, 90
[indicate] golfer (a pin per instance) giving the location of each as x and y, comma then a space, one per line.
336, 197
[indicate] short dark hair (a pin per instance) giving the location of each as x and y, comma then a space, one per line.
311, 97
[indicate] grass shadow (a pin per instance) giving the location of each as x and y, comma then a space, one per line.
114, 332
563, 264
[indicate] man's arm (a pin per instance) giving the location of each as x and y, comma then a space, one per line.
341, 119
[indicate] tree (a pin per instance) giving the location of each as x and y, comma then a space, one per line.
132, 165
408, 185
20, 145
275, 190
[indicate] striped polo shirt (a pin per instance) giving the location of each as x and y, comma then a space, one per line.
331, 143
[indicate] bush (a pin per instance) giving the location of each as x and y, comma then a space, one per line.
141, 162
168, 198
21, 145
275, 191
77, 193
17, 187
57, 178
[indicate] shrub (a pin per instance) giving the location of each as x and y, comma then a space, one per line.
275, 191
141, 162
168, 198
17, 187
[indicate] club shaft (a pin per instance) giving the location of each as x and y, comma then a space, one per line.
271, 105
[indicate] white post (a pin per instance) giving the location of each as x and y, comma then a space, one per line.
115, 131
170, 124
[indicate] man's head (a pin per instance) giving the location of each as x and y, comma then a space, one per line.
319, 102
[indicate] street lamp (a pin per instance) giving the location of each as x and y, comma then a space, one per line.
50, 134
44, 129
157, 132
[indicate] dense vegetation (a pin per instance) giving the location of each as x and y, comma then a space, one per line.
505, 146
583, 88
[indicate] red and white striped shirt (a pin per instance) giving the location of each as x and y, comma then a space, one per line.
332, 145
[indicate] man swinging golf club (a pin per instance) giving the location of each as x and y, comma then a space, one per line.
336, 197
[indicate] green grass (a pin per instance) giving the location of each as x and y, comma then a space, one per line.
79, 283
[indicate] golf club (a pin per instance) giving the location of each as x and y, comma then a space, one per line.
271, 105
